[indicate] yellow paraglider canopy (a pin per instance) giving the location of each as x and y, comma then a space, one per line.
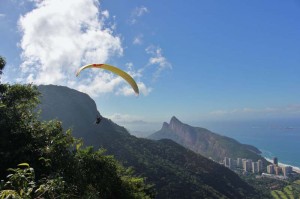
115, 70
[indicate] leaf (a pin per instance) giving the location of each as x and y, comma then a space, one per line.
23, 164
78, 145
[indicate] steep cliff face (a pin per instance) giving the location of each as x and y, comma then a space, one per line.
205, 142
77, 111
177, 172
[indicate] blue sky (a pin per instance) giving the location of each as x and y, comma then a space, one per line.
199, 60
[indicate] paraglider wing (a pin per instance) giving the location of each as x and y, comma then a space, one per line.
115, 70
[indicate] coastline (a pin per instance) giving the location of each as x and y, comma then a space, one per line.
295, 169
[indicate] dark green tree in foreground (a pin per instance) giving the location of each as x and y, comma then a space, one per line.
2, 65
39, 160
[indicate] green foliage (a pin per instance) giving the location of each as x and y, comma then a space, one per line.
176, 171
291, 191
112, 175
54, 164
273, 188
275, 195
21, 184
2, 64
297, 182
21, 180
205, 142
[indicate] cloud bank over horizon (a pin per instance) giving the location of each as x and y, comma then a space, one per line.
59, 36
288, 111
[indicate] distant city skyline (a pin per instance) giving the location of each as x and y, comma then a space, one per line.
196, 60
248, 165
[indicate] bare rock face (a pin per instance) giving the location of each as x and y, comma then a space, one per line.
77, 111
205, 142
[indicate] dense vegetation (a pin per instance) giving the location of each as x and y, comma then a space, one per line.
275, 188
177, 172
40, 160
291, 191
205, 142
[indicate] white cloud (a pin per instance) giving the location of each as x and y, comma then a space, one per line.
144, 89
59, 36
139, 126
105, 13
2, 15
138, 40
127, 90
138, 12
291, 110
125, 118
99, 84
157, 59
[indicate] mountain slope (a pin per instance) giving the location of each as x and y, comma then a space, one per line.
177, 172
205, 142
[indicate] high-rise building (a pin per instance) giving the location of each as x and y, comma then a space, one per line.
287, 170
239, 163
229, 163
254, 167
278, 170
275, 161
232, 163
226, 162
247, 165
260, 165
270, 169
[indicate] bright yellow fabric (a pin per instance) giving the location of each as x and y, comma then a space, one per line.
115, 70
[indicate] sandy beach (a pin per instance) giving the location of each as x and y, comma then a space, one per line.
295, 169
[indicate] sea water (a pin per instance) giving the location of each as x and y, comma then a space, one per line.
274, 138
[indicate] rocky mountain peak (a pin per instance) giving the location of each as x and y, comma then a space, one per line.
165, 125
205, 142
174, 122
174, 119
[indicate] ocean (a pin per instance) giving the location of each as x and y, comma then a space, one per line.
274, 138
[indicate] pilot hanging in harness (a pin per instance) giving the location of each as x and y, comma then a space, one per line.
98, 119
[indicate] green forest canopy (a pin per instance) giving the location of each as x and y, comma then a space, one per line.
38, 159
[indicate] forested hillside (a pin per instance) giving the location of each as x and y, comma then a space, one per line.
175, 171
205, 142
41, 160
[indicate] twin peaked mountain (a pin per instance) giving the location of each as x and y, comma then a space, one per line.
175, 171
205, 142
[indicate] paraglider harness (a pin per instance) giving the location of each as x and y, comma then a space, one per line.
98, 119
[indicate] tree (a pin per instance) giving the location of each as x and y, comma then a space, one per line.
62, 169
2, 64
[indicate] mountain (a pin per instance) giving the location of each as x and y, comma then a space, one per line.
175, 171
205, 142
77, 111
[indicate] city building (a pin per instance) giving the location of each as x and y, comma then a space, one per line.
260, 166
254, 167
275, 161
226, 162
247, 165
257, 167
278, 170
270, 169
239, 163
287, 170
232, 163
